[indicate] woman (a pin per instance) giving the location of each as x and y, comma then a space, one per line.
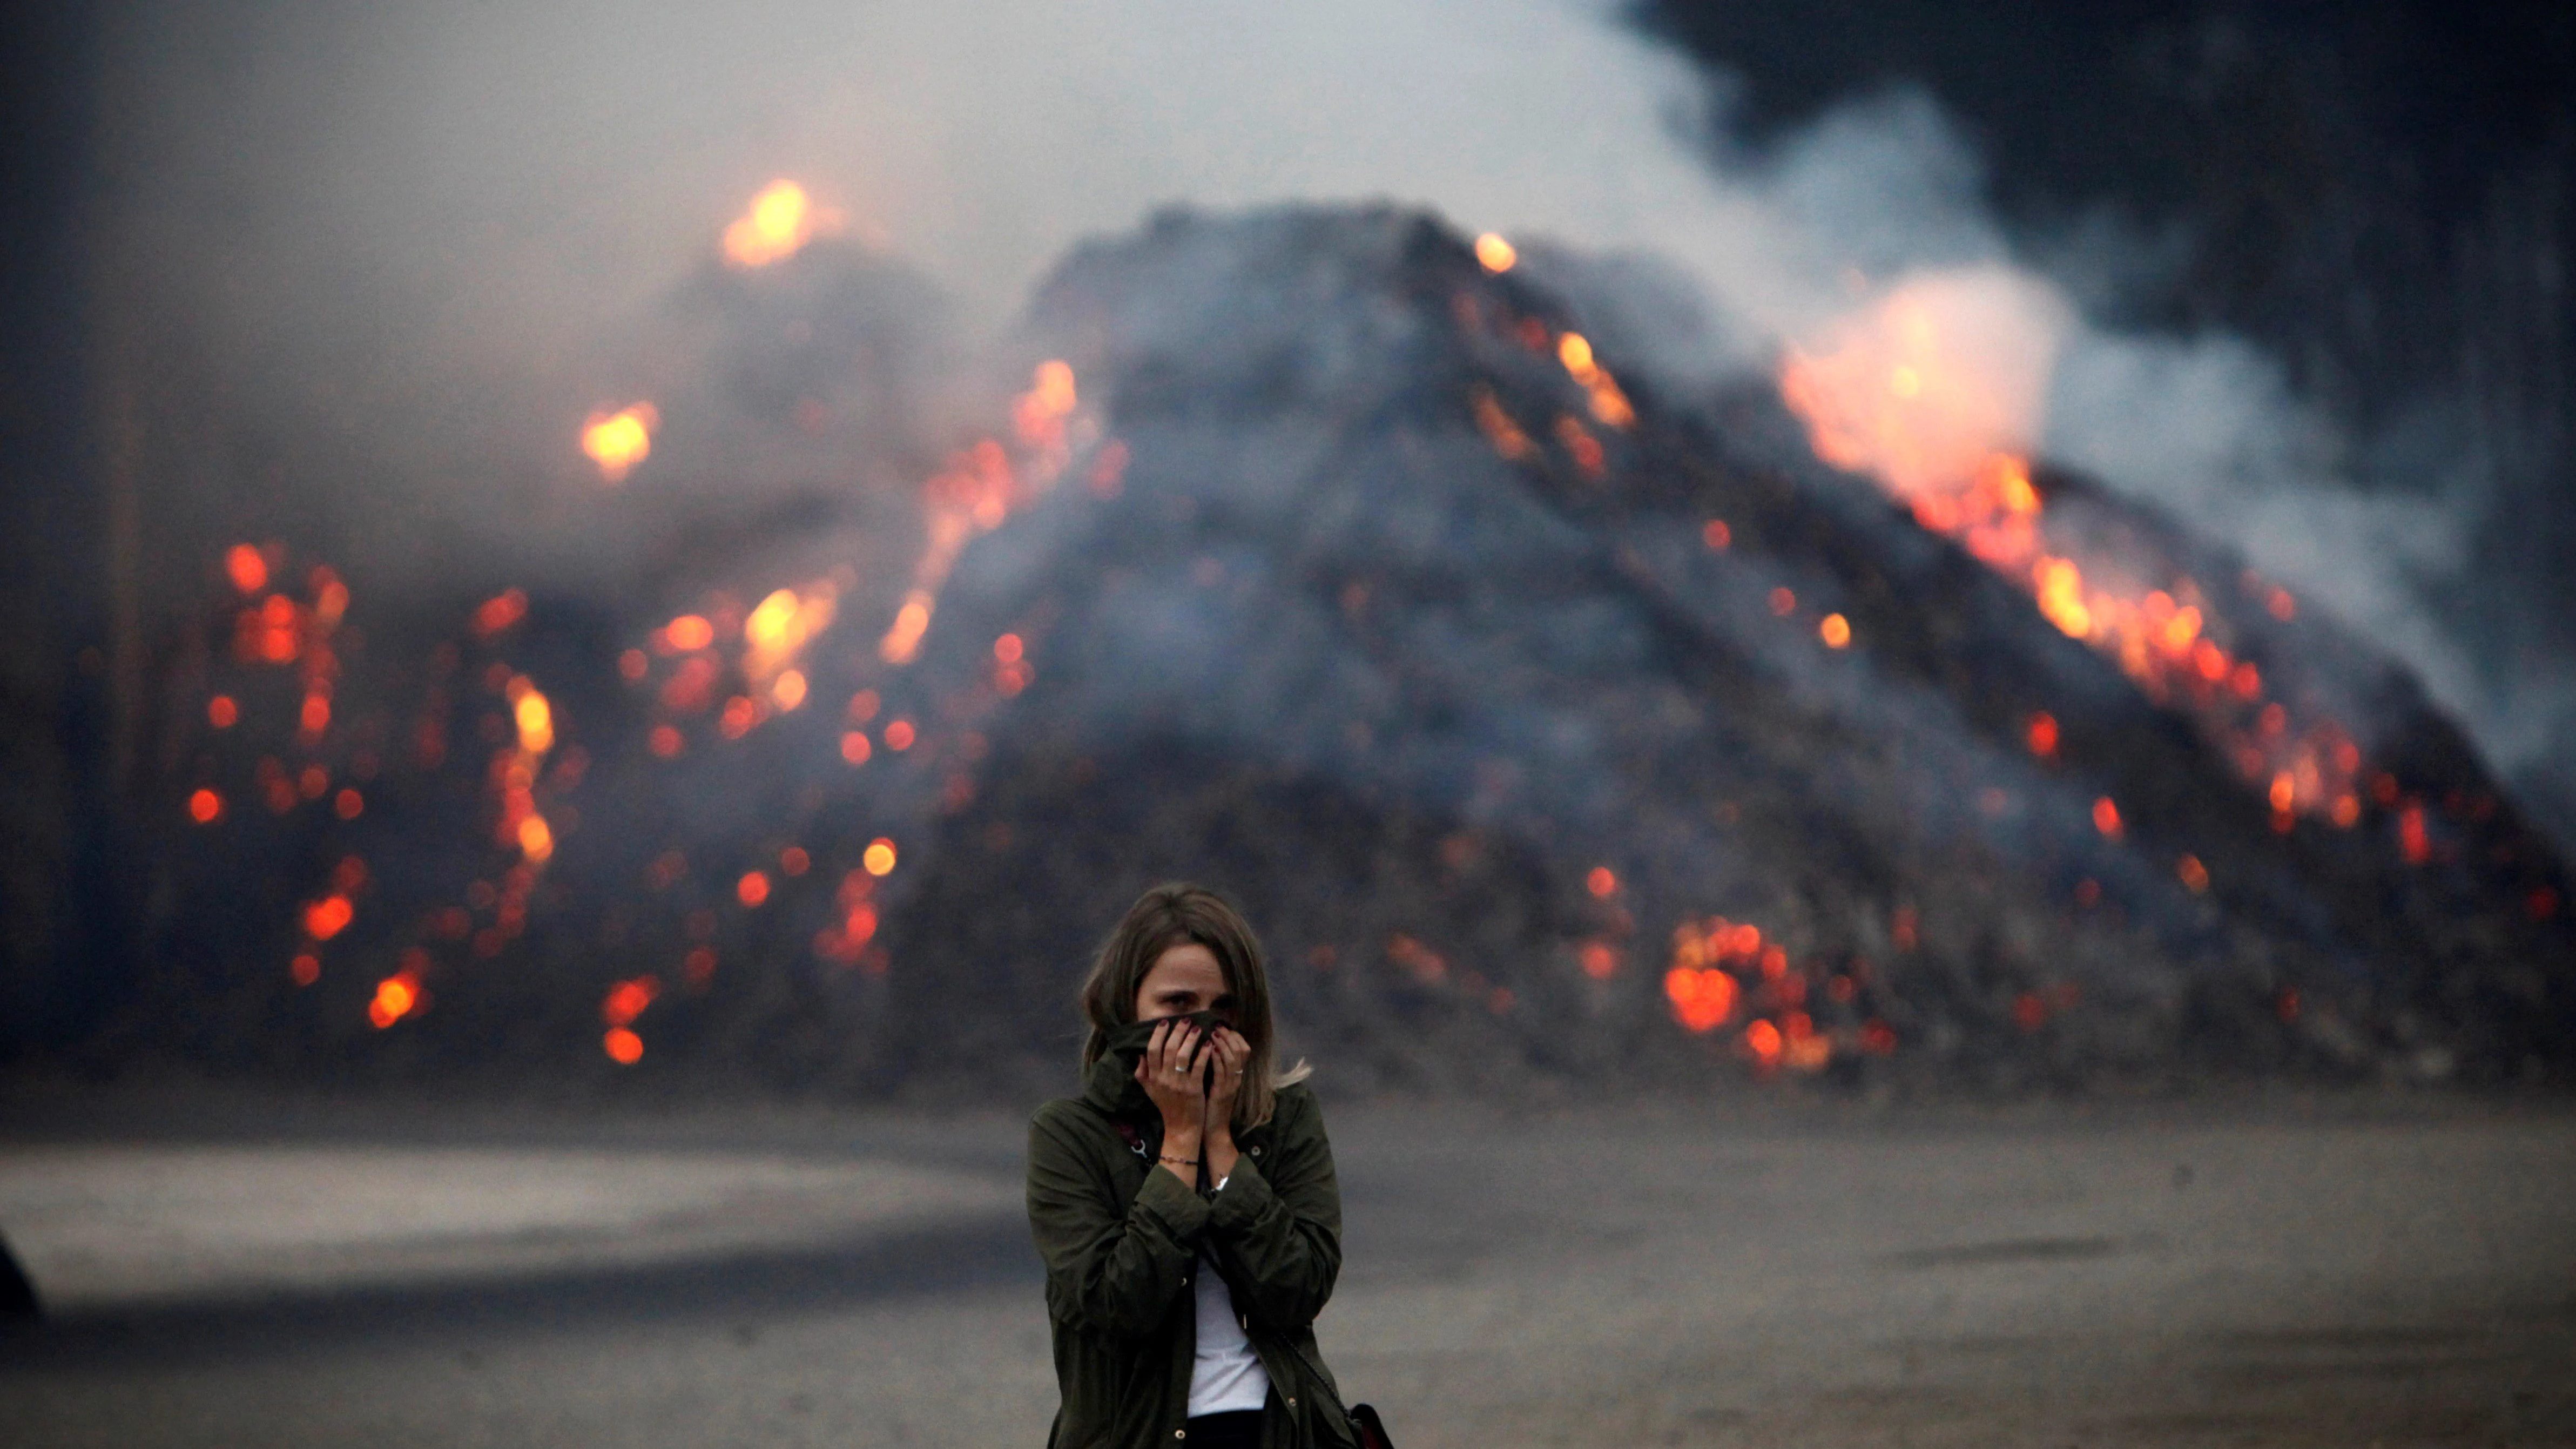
1185, 1202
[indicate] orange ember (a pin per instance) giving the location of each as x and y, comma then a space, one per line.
499, 612
1598, 960
1040, 415
627, 999
899, 735
222, 713
204, 806
2411, 836
854, 748
1495, 254
2106, 817
689, 633
878, 858
396, 997
2193, 874
1762, 1039
1602, 882
618, 441
1702, 1000
1610, 406
1510, 443
246, 568
753, 888
911, 621
624, 1047
1835, 630
1716, 534
328, 916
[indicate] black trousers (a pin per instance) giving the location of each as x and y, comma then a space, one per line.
1238, 1430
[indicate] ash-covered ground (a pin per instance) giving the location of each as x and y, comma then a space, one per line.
1731, 1271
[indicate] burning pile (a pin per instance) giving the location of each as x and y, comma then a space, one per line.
1551, 729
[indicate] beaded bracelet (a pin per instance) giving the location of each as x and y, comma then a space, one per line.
1179, 1161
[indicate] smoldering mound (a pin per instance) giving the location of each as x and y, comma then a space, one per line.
1385, 631
1504, 697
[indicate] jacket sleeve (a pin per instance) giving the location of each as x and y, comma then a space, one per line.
1111, 1267
1276, 1230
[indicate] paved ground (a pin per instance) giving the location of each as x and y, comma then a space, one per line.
2363, 1272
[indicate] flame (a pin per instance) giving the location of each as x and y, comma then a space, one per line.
775, 633
618, 441
980, 487
514, 777
535, 717
1936, 392
1948, 370
1610, 406
778, 224
1040, 415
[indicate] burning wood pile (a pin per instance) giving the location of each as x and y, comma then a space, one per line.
1559, 731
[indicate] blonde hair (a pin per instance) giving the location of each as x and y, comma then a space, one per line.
1178, 913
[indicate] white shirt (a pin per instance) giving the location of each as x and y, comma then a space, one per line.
1226, 1374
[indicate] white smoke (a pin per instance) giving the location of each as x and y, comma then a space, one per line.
421, 220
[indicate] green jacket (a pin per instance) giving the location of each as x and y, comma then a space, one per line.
1121, 1240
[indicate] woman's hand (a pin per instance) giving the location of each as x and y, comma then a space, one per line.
1172, 1073
1230, 1052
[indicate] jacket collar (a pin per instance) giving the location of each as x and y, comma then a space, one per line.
1111, 1085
